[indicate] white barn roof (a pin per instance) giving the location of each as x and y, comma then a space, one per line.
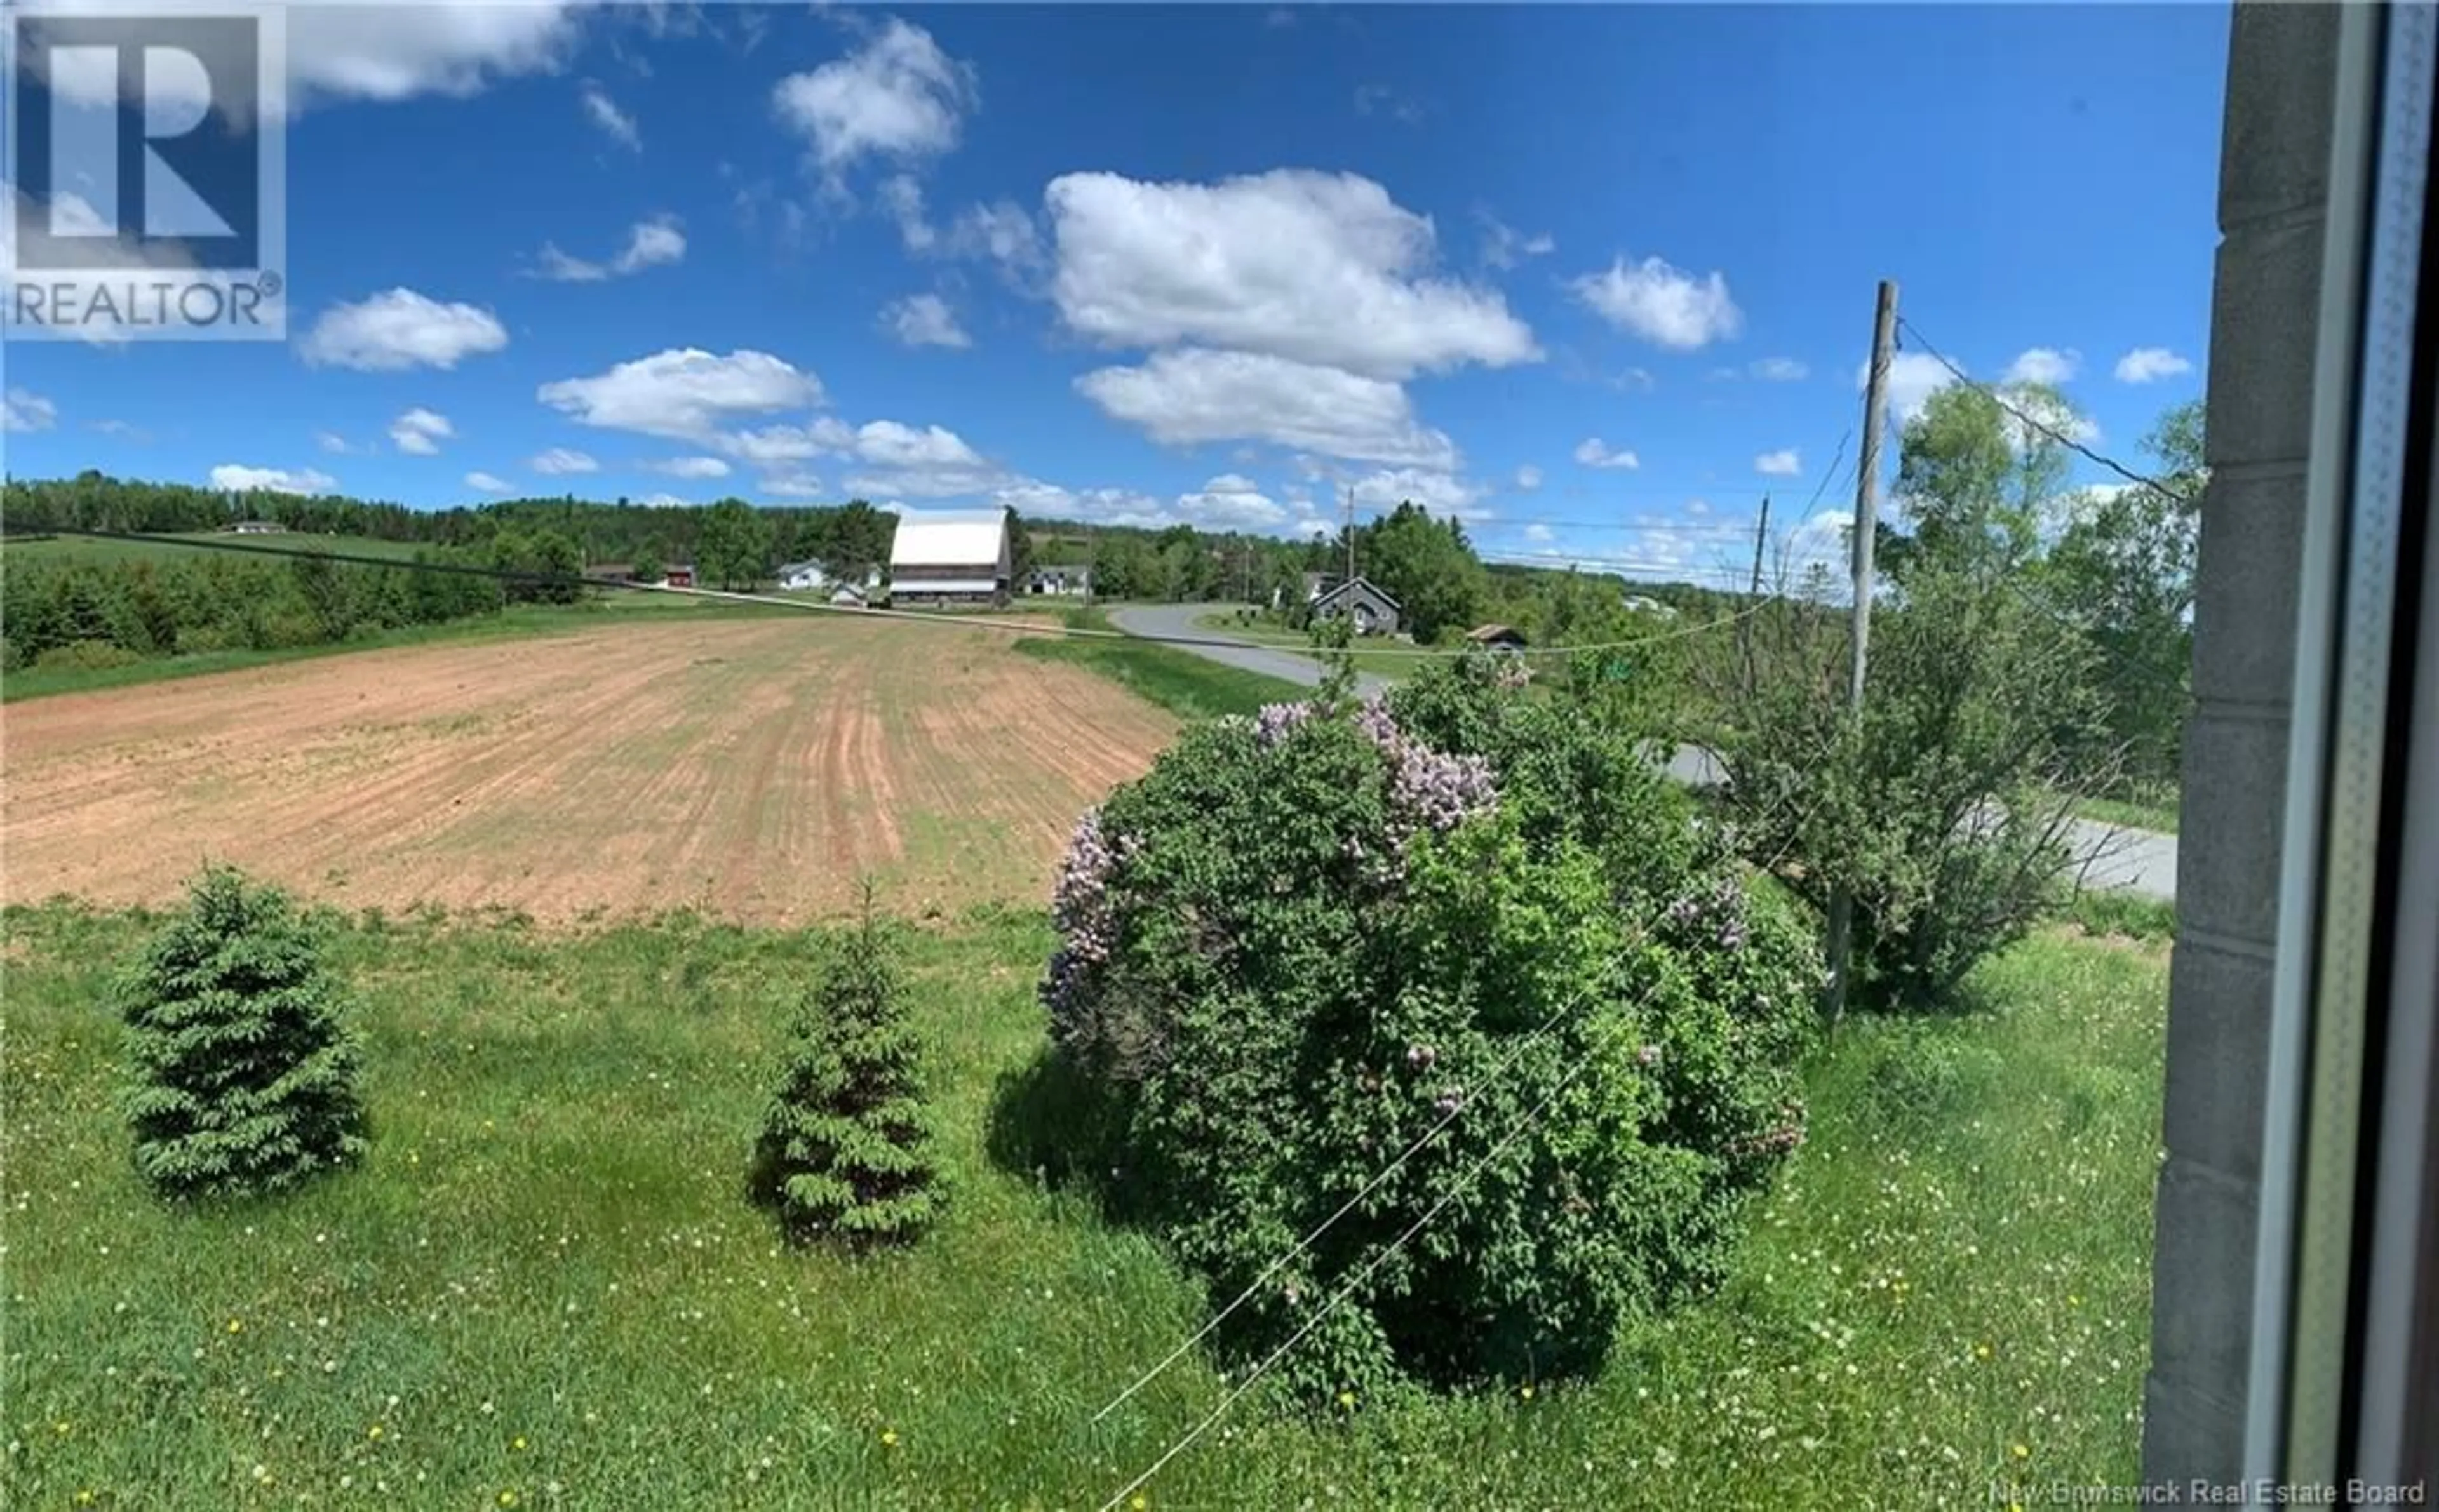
951, 539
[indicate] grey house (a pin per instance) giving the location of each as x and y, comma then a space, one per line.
1372, 611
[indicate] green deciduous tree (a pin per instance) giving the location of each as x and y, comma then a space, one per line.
243, 1068
1427, 566
733, 549
2123, 571
845, 1149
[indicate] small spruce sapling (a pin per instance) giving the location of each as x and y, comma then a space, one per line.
244, 1071
845, 1152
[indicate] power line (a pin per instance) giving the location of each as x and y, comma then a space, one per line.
2000, 397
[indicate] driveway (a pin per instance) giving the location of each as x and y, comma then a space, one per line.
2112, 856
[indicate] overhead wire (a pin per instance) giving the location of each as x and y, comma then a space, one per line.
1907, 328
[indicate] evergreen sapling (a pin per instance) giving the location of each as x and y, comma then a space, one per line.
243, 1069
845, 1152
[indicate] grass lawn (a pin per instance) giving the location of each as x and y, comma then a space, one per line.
1180, 680
515, 620
2159, 818
167, 546
545, 1288
1388, 661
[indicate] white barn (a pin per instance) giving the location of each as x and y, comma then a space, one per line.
950, 557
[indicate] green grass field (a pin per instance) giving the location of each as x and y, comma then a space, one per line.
185, 544
608, 608
1183, 682
545, 1288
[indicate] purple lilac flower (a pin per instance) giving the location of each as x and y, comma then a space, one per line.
1079, 907
1419, 1056
1274, 722
1719, 913
1450, 1101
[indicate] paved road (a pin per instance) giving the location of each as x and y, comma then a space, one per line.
2112, 857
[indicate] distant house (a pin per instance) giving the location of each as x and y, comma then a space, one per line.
1068, 581
946, 559
1316, 584
849, 595
1497, 637
805, 577
1371, 610
255, 528
679, 574
1640, 605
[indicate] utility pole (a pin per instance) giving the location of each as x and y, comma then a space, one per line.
1744, 631
1867, 485
1350, 532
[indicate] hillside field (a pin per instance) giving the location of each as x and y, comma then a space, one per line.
746, 766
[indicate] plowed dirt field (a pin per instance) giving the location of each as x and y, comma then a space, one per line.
749, 768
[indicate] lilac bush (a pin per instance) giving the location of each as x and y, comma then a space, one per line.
1306, 938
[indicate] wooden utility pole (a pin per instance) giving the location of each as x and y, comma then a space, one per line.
1744, 630
1350, 532
1867, 486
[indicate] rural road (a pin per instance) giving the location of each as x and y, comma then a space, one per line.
2112, 857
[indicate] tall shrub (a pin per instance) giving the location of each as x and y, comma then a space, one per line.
1305, 941
845, 1152
244, 1069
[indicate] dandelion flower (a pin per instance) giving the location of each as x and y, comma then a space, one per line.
2020, 1453
1347, 1400
235, 1326
1527, 1394
519, 1444
374, 1432
1981, 1351
889, 1438
1138, 1503
507, 1499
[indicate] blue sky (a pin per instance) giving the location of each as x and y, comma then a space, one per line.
1595, 276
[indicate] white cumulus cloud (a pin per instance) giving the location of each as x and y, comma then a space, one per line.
1528, 477
1779, 370
1596, 453
420, 431
21, 409
924, 320
488, 484
898, 95
1661, 304
689, 466
2044, 365
1780, 464
1188, 396
2149, 365
1323, 269
234, 478
651, 244
687, 394
399, 330
1231, 502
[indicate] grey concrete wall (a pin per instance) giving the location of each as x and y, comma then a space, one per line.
2272, 197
